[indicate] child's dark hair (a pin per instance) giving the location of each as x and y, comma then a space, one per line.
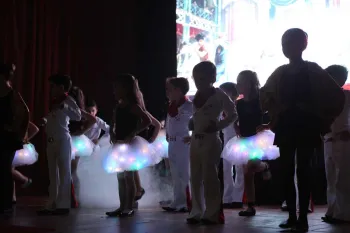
207, 68
7, 70
61, 80
299, 35
130, 84
91, 104
181, 83
78, 95
199, 37
252, 77
229, 87
339, 73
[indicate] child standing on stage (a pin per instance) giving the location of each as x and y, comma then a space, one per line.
250, 118
206, 146
129, 120
233, 190
78, 128
179, 114
59, 148
337, 160
94, 132
18, 176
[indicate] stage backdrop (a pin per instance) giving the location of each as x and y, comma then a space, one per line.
92, 41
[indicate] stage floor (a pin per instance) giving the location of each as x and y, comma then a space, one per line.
153, 220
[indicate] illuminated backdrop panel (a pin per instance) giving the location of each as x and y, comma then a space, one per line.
245, 34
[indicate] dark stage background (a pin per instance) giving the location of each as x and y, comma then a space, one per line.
93, 41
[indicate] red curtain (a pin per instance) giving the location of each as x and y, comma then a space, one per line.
37, 37
92, 41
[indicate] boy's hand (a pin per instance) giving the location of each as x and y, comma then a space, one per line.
130, 138
212, 128
95, 141
187, 139
152, 139
262, 127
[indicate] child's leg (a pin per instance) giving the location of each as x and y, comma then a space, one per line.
180, 173
75, 184
239, 184
122, 190
228, 182
19, 176
139, 190
130, 189
196, 183
342, 184
211, 152
303, 172
251, 168
288, 169
53, 176
65, 178
331, 175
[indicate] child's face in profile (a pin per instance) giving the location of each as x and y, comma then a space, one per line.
92, 110
202, 81
56, 90
172, 92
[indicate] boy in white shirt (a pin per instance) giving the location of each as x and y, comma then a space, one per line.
94, 132
59, 148
179, 113
337, 159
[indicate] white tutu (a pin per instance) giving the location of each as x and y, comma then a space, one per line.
25, 156
133, 156
240, 150
82, 146
161, 145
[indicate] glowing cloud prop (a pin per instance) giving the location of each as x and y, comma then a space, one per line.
240, 150
133, 156
25, 156
82, 146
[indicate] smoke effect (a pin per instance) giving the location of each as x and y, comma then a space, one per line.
97, 189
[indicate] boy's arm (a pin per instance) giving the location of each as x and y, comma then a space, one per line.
156, 125
32, 130
229, 109
72, 110
102, 125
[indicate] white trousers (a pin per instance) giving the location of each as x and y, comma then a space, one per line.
337, 162
59, 162
233, 189
179, 161
205, 155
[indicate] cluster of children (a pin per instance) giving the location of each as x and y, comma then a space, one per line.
291, 104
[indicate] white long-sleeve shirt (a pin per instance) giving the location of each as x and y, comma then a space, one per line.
58, 119
94, 132
178, 125
342, 122
212, 111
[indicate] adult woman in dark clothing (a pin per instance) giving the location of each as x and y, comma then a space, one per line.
14, 120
